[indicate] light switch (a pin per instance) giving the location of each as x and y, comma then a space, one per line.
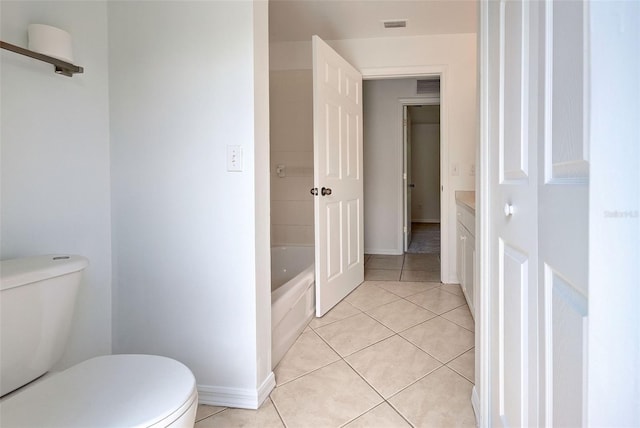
234, 158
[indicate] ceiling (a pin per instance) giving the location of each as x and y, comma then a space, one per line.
298, 20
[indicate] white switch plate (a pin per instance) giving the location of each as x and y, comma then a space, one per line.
234, 158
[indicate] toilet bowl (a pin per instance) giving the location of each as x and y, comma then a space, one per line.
36, 306
108, 391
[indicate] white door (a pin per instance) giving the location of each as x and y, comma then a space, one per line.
337, 147
538, 213
408, 185
563, 215
513, 139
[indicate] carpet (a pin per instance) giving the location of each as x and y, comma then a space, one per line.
425, 238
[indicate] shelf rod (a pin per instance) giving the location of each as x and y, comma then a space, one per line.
61, 67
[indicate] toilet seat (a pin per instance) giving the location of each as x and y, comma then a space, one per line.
109, 391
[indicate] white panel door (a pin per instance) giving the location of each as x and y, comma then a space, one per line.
514, 134
537, 104
563, 219
338, 205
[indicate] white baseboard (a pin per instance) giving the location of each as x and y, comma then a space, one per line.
383, 252
475, 403
236, 397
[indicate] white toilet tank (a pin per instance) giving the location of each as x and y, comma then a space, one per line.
37, 299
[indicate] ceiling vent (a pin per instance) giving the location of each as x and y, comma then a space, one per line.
395, 23
428, 86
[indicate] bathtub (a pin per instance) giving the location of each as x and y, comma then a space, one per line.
292, 296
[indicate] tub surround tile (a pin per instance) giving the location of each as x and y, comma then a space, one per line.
381, 275
440, 399
382, 416
440, 338
437, 300
400, 315
392, 365
368, 296
461, 316
266, 416
339, 312
353, 334
465, 365
307, 354
330, 397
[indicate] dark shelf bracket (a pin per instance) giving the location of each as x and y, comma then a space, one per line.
61, 67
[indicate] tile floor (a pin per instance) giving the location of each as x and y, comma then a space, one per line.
396, 352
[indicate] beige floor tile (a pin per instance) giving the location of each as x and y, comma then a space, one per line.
381, 275
204, 411
307, 354
437, 301
420, 275
266, 416
429, 262
405, 288
392, 365
339, 312
453, 289
328, 397
461, 316
385, 262
382, 416
441, 399
354, 333
368, 296
400, 315
465, 365
442, 339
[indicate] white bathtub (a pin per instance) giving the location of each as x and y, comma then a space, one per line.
292, 296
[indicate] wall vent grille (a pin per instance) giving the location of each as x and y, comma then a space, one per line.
396, 23
428, 86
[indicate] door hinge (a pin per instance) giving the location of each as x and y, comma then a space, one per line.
404, 229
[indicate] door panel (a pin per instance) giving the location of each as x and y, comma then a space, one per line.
512, 306
513, 134
564, 222
337, 127
537, 103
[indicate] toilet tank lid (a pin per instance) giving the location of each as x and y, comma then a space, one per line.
22, 271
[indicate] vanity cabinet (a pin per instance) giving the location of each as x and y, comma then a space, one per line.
466, 248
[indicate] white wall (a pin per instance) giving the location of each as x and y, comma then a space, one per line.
193, 279
425, 172
455, 56
291, 99
55, 159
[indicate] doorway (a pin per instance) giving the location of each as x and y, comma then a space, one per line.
421, 142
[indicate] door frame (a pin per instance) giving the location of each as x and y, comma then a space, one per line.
406, 102
446, 195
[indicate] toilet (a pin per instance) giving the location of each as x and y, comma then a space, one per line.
37, 301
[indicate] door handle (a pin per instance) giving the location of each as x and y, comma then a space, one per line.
314, 191
412, 185
508, 210
325, 191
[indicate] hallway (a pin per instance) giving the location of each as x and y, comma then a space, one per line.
396, 352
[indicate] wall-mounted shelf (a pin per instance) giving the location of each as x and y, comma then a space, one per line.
61, 67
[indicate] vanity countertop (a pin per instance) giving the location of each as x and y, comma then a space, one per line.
467, 198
